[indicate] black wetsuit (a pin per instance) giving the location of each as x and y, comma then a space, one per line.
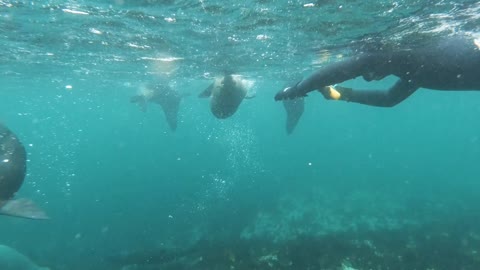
453, 64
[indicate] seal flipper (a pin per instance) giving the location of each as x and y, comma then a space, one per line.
171, 116
22, 208
140, 100
170, 105
207, 92
294, 109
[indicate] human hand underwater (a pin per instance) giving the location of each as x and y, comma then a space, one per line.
336, 92
289, 93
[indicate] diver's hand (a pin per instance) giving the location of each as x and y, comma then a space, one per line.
289, 93
336, 92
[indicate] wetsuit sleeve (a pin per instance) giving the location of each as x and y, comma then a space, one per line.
328, 75
381, 98
335, 73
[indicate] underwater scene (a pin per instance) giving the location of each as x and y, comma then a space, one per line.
148, 134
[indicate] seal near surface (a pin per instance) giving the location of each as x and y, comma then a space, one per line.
227, 93
163, 95
13, 167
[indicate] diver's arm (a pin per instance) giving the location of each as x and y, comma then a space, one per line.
331, 74
401, 90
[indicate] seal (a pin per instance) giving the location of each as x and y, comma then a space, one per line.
13, 167
163, 95
227, 93
10, 259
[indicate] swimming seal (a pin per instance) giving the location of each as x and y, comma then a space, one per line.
227, 93
162, 94
13, 167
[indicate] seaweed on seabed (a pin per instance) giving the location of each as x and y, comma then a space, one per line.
226, 254
307, 252
435, 246
445, 246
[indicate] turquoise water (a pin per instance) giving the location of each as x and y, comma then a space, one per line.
353, 186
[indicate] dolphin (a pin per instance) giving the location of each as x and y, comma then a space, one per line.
13, 167
162, 94
226, 94
294, 109
10, 259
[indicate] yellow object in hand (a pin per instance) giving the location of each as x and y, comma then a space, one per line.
334, 94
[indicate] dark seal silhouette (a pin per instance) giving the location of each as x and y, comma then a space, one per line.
163, 95
226, 94
13, 167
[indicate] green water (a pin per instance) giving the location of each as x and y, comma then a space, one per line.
358, 186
